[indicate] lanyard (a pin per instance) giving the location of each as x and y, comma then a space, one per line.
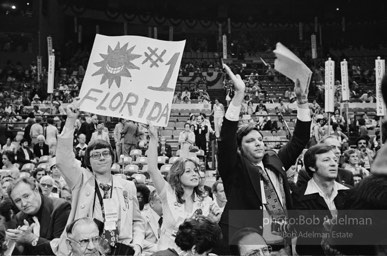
98, 193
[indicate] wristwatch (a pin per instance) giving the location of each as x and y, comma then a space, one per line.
35, 241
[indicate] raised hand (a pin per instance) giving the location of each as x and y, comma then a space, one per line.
153, 130
301, 95
72, 109
239, 85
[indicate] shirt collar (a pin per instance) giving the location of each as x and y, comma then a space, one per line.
313, 188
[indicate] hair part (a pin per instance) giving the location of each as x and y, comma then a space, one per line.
176, 171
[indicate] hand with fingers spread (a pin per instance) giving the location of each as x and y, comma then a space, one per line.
301, 94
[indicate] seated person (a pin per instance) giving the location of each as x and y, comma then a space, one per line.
41, 148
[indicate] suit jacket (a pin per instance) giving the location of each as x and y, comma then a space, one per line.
52, 217
46, 150
21, 158
312, 206
130, 133
82, 184
241, 179
151, 231
344, 177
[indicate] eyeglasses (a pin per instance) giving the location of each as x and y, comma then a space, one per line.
97, 155
46, 185
264, 251
362, 143
85, 242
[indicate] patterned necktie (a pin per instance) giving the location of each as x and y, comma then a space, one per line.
106, 188
110, 236
274, 206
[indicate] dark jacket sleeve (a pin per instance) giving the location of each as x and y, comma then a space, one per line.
227, 151
60, 216
290, 152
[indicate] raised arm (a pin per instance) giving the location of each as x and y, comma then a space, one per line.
68, 165
154, 172
301, 135
227, 153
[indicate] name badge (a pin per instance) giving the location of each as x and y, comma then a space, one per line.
111, 210
110, 225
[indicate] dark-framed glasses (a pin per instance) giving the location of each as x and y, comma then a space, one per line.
97, 155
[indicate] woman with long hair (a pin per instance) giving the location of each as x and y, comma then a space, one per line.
180, 196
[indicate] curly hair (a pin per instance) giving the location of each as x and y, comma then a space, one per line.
199, 232
177, 170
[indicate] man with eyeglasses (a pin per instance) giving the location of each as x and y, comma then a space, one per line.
84, 238
96, 193
46, 184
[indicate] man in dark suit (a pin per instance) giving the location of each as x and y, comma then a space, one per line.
24, 155
41, 148
318, 199
344, 177
255, 181
46, 217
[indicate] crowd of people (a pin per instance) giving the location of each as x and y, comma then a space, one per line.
68, 187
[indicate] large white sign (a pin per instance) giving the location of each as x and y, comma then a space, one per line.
132, 77
329, 85
379, 73
344, 80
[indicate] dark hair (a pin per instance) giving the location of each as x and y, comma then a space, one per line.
310, 156
39, 169
199, 232
361, 121
362, 138
24, 140
144, 190
98, 144
70, 227
10, 155
215, 185
50, 120
243, 131
189, 125
6, 208
176, 171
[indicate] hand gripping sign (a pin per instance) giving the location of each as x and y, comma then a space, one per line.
131, 77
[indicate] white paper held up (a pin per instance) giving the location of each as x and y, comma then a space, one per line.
288, 64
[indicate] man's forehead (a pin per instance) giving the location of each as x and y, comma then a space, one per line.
332, 142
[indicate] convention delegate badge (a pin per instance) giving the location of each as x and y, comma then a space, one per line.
111, 211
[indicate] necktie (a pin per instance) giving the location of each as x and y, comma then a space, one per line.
110, 236
105, 188
273, 205
160, 221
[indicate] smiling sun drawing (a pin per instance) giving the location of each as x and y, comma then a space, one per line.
115, 64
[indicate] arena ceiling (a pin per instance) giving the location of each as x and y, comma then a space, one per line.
247, 10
